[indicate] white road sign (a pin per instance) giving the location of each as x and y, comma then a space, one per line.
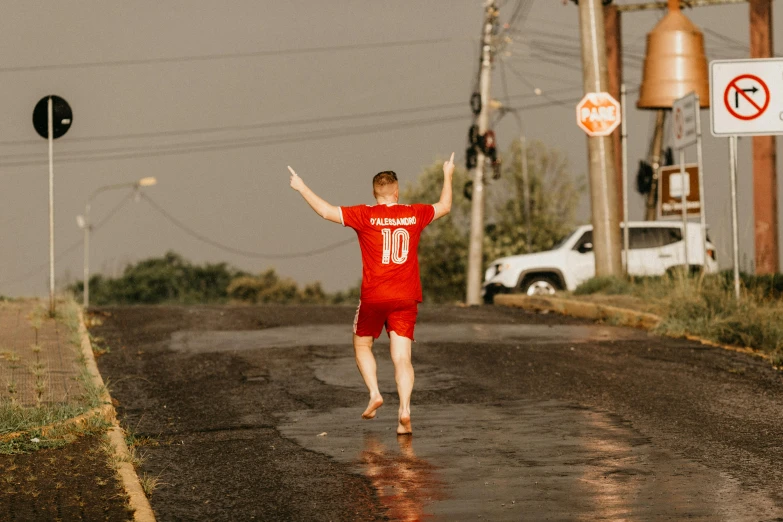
684, 114
746, 97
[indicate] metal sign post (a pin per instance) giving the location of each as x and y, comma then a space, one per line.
700, 163
734, 220
684, 190
624, 141
745, 100
685, 132
50, 139
52, 117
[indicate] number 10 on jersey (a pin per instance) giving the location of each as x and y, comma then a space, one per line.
395, 245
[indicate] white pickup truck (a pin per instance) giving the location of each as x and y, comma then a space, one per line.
655, 247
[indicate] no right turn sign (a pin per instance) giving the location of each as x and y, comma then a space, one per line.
746, 97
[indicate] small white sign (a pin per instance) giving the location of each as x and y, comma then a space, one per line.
676, 185
746, 97
684, 114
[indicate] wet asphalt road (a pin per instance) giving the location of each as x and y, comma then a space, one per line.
253, 413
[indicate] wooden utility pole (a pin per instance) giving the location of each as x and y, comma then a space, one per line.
765, 183
656, 159
603, 180
614, 65
476, 250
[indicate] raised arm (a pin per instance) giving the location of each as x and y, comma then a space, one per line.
321, 207
443, 206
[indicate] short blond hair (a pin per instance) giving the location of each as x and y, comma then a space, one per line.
384, 183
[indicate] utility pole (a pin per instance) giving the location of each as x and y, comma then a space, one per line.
601, 153
614, 58
476, 251
765, 183
656, 159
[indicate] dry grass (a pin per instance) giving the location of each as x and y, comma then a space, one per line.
704, 307
149, 483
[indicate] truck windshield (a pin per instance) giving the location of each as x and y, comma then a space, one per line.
563, 241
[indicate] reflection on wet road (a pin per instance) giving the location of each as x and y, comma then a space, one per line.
522, 460
405, 484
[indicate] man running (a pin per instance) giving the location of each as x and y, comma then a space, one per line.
391, 286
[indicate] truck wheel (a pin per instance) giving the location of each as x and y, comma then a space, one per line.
539, 285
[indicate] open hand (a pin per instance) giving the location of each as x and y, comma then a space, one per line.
296, 182
448, 166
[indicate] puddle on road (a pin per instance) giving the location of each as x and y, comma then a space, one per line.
196, 341
520, 461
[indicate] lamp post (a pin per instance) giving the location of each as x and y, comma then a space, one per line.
85, 224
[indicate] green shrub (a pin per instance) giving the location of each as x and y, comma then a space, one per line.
172, 279
267, 287
605, 285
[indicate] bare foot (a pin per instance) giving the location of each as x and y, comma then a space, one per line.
375, 403
404, 427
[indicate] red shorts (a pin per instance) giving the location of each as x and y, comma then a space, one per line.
397, 316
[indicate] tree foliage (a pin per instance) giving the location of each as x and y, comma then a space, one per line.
443, 250
172, 279
167, 279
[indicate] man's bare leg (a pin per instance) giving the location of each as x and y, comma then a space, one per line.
365, 361
403, 374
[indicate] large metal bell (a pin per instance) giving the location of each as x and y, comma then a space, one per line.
675, 63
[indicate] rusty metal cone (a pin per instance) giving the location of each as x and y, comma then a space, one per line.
675, 63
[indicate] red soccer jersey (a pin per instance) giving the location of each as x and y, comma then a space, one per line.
389, 239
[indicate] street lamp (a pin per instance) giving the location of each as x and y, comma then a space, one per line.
85, 224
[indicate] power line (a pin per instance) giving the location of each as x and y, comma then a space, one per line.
224, 56
193, 147
216, 145
246, 253
252, 126
529, 84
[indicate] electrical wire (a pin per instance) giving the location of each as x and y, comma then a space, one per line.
83, 156
530, 84
252, 126
218, 145
224, 56
245, 253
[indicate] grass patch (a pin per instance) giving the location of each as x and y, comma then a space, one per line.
29, 420
15, 418
705, 306
58, 436
99, 346
135, 442
150, 483
605, 285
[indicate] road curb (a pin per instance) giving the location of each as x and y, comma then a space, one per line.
142, 511
587, 310
611, 314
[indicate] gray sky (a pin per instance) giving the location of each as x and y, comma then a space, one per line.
218, 129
